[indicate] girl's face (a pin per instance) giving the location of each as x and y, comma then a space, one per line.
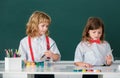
95, 34
43, 27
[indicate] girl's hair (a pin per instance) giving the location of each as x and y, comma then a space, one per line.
93, 23
35, 19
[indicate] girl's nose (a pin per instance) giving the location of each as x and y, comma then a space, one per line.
96, 34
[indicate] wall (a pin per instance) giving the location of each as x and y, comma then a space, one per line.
68, 20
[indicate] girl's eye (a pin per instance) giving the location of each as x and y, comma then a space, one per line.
99, 32
94, 32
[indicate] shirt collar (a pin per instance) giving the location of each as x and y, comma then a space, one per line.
42, 37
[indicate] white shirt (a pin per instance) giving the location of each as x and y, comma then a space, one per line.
92, 53
39, 46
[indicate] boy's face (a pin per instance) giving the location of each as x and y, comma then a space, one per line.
43, 27
95, 34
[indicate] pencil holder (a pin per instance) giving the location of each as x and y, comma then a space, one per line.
13, 63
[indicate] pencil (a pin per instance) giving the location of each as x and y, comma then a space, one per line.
52, 45
49, 49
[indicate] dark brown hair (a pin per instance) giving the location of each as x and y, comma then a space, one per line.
93, 23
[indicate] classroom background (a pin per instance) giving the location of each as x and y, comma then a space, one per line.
68, 20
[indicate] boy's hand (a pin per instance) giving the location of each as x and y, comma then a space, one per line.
54, 57
48, 53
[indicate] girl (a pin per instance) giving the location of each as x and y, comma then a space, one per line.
93, 49
37, 43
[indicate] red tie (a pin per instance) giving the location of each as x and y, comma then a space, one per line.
95, 41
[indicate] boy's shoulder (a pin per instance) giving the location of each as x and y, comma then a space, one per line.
51, 39
24, 38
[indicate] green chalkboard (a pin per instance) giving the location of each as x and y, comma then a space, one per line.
68, 20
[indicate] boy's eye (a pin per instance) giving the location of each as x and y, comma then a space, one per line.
46, 26
43, 25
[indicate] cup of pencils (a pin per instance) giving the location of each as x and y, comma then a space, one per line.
12, 60
12, 53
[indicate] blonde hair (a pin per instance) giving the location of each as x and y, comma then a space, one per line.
92, 24
35, 19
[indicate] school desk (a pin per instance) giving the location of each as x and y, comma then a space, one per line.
62, 69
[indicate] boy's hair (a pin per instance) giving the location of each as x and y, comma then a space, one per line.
35, 19
93, 23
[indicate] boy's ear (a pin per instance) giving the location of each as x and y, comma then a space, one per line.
47, 33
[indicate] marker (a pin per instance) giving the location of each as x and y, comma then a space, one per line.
11, 53
7, 53
14, 55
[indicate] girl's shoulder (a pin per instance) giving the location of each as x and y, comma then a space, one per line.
86, 43
105, 42
83, 43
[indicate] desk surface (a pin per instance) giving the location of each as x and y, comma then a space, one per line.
65, 67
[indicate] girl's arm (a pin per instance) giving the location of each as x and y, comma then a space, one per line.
108, 59
82, 64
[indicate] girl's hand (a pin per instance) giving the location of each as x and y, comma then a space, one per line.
87, 65
108, 59
82, 64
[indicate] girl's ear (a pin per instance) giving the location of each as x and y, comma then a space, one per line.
88, 32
